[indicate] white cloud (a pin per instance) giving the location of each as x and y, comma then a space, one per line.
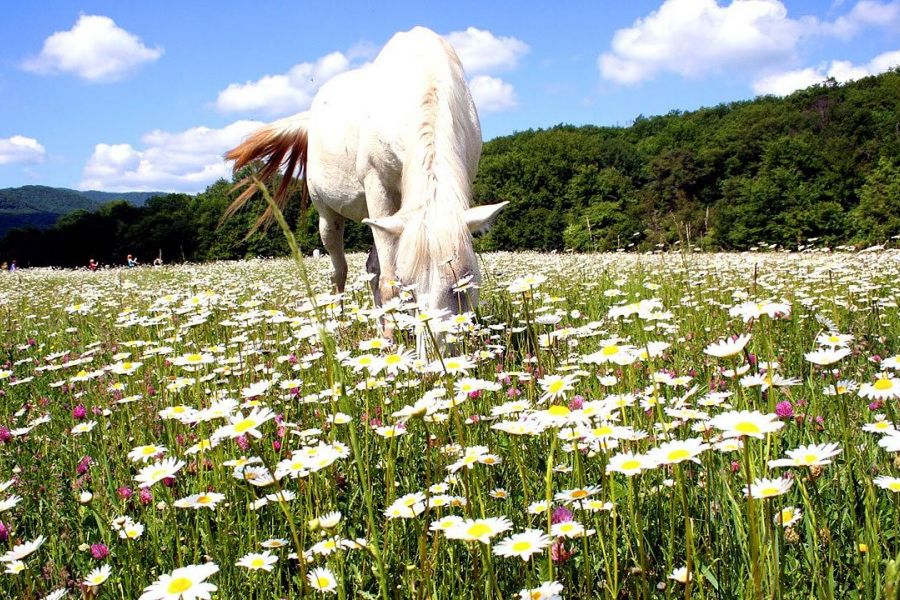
283, 94
482, 52
695, 37
184, 161
782, 84
492, 94
20, 149
865, 13
95, 49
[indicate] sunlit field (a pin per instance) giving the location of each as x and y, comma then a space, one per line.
607, 426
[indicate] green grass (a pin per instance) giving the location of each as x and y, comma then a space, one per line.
256, 323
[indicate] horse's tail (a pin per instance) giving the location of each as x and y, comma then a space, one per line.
283, 142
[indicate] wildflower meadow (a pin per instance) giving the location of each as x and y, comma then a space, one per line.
605, 426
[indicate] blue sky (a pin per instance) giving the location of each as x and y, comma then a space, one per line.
148, 95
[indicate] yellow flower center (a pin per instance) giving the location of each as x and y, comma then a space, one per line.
392, 359
747, 427
322, 582
258, 562
881, 425
478, 530
894, 486
521, 546
148, 450
578, 494
558, 410
679, 454
245, 425
604, 430
630, 465
181, 584
767, 492
786, 515
883, 384
610, 350
204, 499
810, 459
194, 358
556, 386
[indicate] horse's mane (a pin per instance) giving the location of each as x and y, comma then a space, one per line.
435, 185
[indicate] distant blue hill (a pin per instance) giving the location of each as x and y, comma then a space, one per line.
40, 206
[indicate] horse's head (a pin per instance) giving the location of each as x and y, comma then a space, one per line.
435, 254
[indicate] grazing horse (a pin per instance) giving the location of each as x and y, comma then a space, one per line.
394, 144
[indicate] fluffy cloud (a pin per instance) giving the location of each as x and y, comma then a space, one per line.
95, 49
482, 52
694, 37
782, 84
492, 94
283, 94
865, 13
184, 161
20, 149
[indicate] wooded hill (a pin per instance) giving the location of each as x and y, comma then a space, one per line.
822, 164
41, 206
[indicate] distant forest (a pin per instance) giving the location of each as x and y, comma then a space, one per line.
822, 164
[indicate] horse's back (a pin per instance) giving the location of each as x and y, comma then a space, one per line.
368, 118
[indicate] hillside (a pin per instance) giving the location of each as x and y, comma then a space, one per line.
821, 164
820, 167
41, 206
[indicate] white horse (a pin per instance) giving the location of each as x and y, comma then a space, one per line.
394, 144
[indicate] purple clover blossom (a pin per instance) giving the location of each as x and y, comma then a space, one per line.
99, 551
83, 465
784, 409
561, 515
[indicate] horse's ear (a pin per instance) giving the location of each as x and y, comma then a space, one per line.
392, 224
481, 218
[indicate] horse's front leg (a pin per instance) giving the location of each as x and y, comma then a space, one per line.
331, 230
373, 268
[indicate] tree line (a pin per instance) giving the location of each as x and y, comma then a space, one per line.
820, 166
